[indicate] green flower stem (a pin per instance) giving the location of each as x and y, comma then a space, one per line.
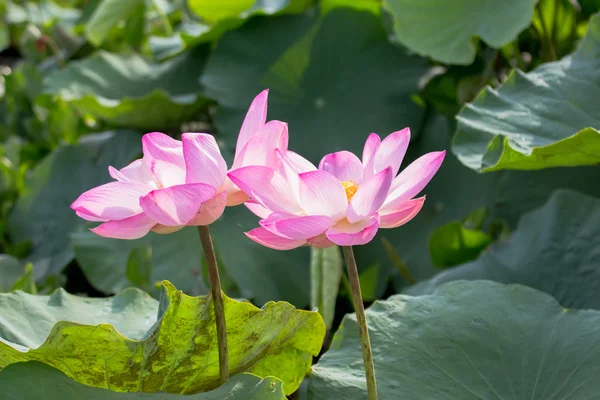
164, 19
547, 35
217, 297
363, 329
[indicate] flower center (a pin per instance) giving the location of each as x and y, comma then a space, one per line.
350, 187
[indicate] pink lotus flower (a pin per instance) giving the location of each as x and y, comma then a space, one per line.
179, 183
344, 202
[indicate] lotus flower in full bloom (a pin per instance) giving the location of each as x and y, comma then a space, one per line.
344, 202
179, 183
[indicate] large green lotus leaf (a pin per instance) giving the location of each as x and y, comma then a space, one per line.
334, 80
225, 9
42, 13
455, 191
262, 274
445, 30
176, 257
373, 6
107, 16
469, 340
188, 35
51, 384
544, 118
42, 214
552, 250
129, 91
124, 344
219, 17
